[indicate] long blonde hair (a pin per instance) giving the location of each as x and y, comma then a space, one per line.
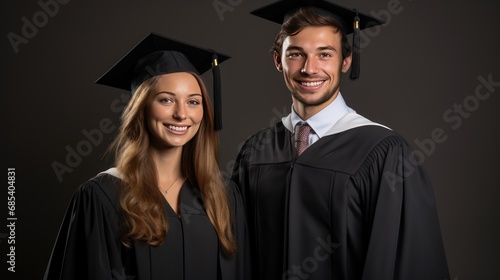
140, 199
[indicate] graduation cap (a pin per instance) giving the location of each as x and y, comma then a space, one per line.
351, 21
157, 55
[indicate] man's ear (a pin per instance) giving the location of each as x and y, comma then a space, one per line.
346, 63
277, 61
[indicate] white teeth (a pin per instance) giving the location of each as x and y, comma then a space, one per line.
311, 84
177, 128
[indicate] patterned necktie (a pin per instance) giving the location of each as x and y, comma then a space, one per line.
302, 137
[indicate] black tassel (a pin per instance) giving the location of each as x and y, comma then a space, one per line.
356, 50
217, 93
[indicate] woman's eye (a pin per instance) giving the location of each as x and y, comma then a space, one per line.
194, 102
166, 100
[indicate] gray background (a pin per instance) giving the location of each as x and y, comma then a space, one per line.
423, 62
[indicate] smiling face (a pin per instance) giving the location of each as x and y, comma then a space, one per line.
312, 64
174, 110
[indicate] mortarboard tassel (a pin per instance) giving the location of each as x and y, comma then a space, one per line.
217, 93
356, 50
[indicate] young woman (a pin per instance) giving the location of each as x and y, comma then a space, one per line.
164, 211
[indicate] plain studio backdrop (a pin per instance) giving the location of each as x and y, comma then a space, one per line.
430, 73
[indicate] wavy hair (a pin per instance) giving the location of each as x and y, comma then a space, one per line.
140, 199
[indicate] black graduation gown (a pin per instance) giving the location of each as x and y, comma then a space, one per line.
89, 242
354, 205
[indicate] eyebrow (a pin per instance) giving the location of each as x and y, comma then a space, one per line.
172, 93
323, 48
327, 48
294, 48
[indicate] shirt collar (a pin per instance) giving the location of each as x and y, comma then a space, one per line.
322, 121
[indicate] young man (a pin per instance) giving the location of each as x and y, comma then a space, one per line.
328, 193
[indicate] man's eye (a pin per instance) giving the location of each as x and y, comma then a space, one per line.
294, 55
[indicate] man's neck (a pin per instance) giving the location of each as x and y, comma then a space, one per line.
307, 111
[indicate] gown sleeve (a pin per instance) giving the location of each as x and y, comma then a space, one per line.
405, 239
239, 176
88, 243
239, 266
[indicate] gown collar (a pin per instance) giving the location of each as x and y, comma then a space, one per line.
338, 122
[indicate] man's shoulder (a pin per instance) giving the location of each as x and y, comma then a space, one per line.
369, 136
265, 135
370, 132
269, 144
348, 151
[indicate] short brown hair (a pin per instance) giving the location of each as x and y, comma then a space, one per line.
308, 16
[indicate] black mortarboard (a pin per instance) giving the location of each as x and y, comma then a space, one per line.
351, 20
157, 55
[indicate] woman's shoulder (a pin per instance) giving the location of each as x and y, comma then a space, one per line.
103, 189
